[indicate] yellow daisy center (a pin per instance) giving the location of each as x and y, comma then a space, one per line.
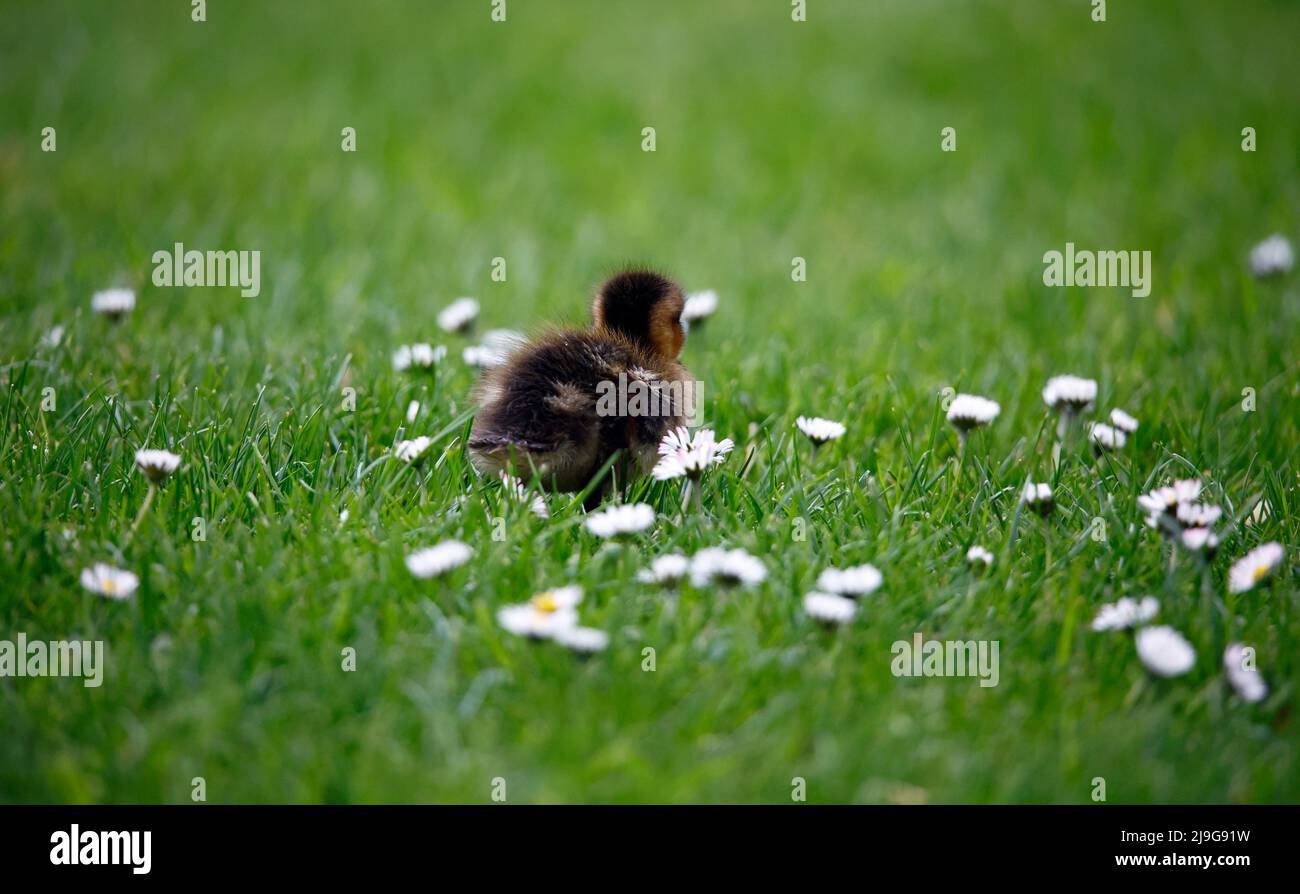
545, 602
1260, 571
108, 585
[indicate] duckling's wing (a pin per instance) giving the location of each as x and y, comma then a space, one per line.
539, 411
563, 451
505, 441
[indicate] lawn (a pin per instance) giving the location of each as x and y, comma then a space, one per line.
523, 140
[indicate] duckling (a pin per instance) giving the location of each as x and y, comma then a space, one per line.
544, 413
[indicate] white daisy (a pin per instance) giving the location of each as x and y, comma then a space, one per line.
969, 411
699, 305
1272, 257
1166, 499
519, 491
53, 337
1164, 651
860, 580
1186, 490
728, 567
1197, 539
819, 430
1253, 567
585, 640
978, 555
438, 560
113, 303
829, 608
1070, 394
1173, 511
543, 616
412, 451
1123, 421
618, 521
157, 465
1038, 497
412, 410
676, 440
666, 571
497, 346
105, 580
418, 356
1125, 613
481, 357
458, 316
1246, 680
1105, 437
1197, 515
686, 456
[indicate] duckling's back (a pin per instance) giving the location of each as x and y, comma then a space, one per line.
543, 413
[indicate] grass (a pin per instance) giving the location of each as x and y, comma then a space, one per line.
522, 140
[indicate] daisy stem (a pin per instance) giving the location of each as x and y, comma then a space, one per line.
1207, 605
1064, 429
148, 501
690, 498
45, 428
961, 467
1172, 570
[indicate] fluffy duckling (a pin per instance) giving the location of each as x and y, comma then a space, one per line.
542, 413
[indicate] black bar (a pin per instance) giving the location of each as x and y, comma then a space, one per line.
584, 845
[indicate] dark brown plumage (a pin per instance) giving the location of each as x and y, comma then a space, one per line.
542, 413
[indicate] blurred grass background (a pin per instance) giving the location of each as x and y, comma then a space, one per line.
523, 140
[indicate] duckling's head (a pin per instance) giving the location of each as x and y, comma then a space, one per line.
644, 307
